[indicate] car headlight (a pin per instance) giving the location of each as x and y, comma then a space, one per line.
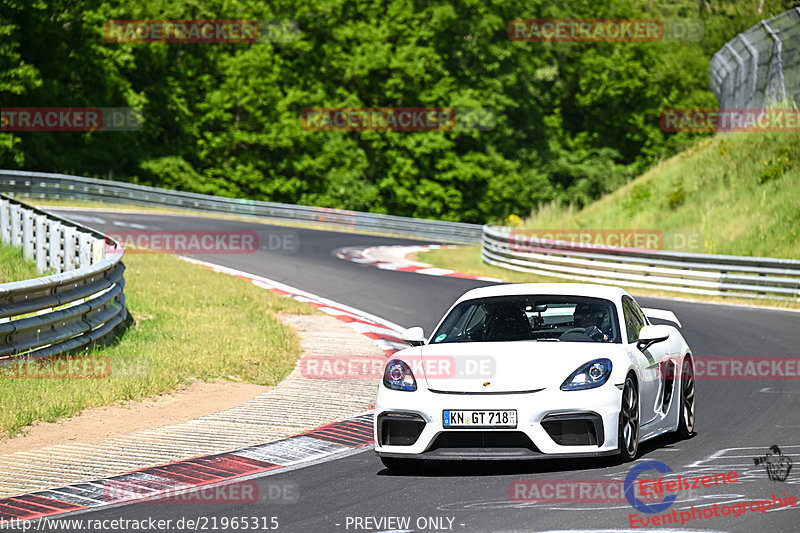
398, 376
591, 375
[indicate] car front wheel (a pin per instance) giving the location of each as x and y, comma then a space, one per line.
686, 420
629, 421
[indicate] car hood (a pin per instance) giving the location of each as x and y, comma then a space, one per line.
513, 366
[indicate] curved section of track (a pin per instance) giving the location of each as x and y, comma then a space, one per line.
736, 421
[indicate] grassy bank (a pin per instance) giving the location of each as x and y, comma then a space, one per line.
741, 191
190, 324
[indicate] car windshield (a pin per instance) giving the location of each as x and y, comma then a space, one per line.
530, 317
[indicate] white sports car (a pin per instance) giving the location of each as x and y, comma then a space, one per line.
522, 371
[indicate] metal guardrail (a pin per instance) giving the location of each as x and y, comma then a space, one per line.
728, 275
752, 277
61, 186
761, 66
82, 303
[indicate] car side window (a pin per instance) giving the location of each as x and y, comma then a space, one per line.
634, 318
639, 313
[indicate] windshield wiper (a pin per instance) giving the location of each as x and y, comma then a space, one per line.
553, 339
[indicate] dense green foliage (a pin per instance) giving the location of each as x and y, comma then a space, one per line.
574, 120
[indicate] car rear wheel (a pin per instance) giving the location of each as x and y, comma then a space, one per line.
629, 421
401, 464
686, 420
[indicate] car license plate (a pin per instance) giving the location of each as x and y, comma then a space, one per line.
483, 419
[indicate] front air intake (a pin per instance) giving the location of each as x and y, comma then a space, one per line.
399, 429
575, 429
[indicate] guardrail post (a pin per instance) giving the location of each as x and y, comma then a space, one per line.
5, 226
16, 226
40, 253
98, 250
27, 234
69, 248
85, 249
56, 254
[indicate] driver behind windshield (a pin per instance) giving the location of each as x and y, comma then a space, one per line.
592, 318
509, 323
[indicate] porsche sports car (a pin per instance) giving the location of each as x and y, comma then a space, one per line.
523, 371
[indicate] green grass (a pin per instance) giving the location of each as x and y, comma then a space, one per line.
14, 267
740, 190
190, 324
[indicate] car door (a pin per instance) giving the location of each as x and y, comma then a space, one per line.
649, 360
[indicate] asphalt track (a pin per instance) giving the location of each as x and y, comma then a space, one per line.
736, 421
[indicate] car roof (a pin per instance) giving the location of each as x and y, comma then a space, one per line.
607, 292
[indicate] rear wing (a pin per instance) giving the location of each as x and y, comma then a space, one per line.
662, 314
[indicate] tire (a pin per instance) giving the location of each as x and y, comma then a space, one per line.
628, 434
401, 465
686, 419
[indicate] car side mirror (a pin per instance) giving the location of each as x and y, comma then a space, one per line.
414, 336
650, 335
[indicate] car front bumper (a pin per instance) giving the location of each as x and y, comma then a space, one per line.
550, 423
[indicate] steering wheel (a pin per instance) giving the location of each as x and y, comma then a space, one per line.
593, 332
476, 332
